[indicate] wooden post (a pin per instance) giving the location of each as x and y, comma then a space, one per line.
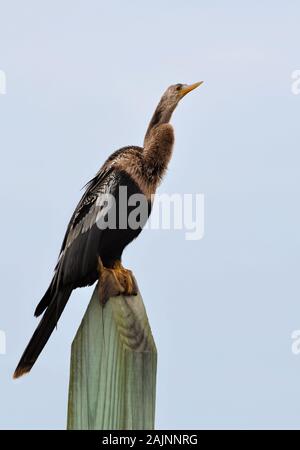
113, 368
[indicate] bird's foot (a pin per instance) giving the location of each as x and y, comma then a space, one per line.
115, 281
126, 278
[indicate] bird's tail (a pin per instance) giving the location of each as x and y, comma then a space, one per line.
43, 331
46, 300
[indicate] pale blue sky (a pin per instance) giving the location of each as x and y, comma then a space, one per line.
83, 78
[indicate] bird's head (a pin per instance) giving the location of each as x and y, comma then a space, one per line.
168, 103
175, 93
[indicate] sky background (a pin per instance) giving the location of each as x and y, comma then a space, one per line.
83, 78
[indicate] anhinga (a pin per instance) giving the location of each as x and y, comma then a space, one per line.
89, 253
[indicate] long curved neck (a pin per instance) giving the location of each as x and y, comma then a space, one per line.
158, 143
161, 115
157, 153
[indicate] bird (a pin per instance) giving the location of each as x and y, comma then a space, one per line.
92, 252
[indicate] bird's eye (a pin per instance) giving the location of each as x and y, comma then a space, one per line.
178, 87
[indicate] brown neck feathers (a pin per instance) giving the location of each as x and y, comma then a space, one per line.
157, 152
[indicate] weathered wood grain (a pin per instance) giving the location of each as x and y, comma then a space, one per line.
113, 368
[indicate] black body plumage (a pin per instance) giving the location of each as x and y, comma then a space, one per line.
83, 243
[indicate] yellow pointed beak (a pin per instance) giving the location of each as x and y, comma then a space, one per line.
186, 89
